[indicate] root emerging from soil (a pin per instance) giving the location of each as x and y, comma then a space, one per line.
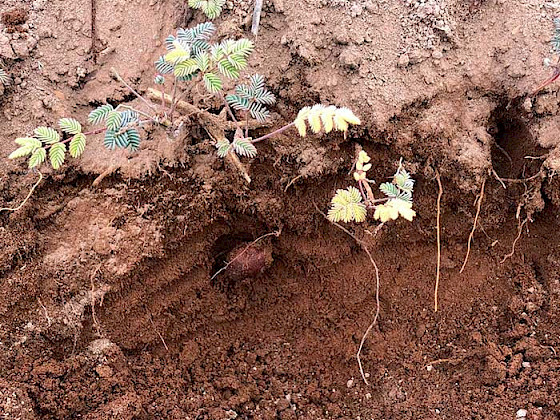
519, 232
26, 198
438, 228
479, 200
377, 282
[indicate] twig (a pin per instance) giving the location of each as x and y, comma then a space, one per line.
377, 307
292, 182
440, 361
120, 79
26, 198
438, 227
478, 206
280, 130
275, 233
519, 231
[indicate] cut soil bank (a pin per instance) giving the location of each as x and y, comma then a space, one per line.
108, 306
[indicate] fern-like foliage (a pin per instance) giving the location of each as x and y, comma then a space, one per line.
324, 117
211, 8
252, 98
347, 206
47, 142
121, 127
4, 77
556, 37
190, 54
401, 188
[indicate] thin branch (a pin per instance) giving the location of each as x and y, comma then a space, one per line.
275, 233
120, 79
479, 205
377, 281
274, 133
26, 198
256, 17
438, 227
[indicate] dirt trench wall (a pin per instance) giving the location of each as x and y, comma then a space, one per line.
107, 307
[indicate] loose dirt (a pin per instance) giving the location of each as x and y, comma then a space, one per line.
107, 307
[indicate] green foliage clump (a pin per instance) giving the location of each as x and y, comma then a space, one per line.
211, 8
252, 98
190, 56
352, 204
120, 126
48, 141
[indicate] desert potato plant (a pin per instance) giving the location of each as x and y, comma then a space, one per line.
352, 204
211, 8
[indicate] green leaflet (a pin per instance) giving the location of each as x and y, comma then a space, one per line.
212, 82
77, 145
99, 114
38, 157
70, 126
47, 135
57, 154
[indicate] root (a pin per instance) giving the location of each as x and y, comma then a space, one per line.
93, 314
377, 304
438, 227
275, 233
519, 232
478, 206
26, 198
159, 335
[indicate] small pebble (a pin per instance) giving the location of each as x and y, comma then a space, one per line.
521, 414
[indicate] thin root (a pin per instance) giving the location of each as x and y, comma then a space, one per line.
478, 206
519, 232
159, 335
377, 304
26, 198
438, 227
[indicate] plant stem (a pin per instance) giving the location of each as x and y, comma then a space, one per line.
274, 133
230, 112
120, 79
173, 100
247, 124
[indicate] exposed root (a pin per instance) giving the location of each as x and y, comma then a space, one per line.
519, 232
232, 158
478, 206
440, 361
275, 233
438, 227
376, 269
26, 198
292, 182
159, 335
93, 314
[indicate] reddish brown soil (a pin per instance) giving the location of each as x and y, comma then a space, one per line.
107, 307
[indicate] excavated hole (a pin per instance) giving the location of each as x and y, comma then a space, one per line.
513, 143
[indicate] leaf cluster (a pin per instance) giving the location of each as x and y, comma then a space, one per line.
211, 8
347, 206
240, 145
190, 55
252, 98
48, 141
324, 117
399, 192
121, 126
556, 36
4, 77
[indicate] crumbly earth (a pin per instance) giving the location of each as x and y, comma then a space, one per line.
107, 307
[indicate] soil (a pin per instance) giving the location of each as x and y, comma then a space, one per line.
108, 309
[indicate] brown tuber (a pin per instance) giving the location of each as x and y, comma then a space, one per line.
248, 261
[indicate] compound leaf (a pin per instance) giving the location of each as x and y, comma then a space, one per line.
133, 139
114, 120
244, 147
110, 140
212, 82
223, 147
